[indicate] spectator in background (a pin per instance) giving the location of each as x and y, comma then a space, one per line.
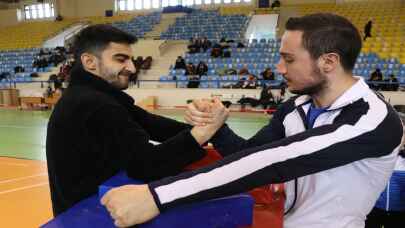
266, 98
190, 69
240, 45
244, 70
367, 29
391, 83
226, 54
205, 44
267, 74
250, 82
138, 64
19, 69
194, 46
48, 93
231, 71
202, 68
216, 51
377, 77
180, 63
4, 75
193, 77
275, 4
147, 63
194, 81
223, 43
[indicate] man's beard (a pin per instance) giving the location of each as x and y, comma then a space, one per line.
115, 78
315, 88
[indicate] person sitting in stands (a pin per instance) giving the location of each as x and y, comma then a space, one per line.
268, 74
275, 4
266, 98
224, 44
216, 51
391, 83
376, 76
205, 44
250, 83
230, 71
18, 69
240, 45
180, 63
202, 68
192, 48
244, 70
193, 77
190, 69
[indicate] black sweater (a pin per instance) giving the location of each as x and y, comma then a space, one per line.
96, 130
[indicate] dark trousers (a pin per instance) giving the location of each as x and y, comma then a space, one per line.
366, 35
388, 219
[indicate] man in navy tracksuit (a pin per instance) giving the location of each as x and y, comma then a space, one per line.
334, 146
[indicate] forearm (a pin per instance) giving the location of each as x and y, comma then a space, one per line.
152, 162
279, 161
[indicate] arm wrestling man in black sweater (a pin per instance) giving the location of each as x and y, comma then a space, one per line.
96, 130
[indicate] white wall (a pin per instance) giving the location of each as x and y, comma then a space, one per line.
262, 26
84, 8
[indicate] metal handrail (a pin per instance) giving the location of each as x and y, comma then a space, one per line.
274, 83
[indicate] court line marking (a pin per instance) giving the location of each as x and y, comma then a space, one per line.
23, 188
22, 178
21, 126
13, 164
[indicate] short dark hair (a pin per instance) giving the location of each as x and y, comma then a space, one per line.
326, 33
95, 39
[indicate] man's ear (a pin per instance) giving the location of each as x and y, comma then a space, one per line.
329, 62
89, 61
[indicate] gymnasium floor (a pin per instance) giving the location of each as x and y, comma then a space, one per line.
24, 191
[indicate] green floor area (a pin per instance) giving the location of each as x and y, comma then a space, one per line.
23, 133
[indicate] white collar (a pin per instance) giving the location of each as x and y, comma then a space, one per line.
355, 92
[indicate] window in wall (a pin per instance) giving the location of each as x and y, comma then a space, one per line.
47, 10
33, 10
165, 3
130, 5
155, 4
52, 11
146, 4
40, 11
138, 4
27, 12
188, 2
173, 2
121, 5
19, 15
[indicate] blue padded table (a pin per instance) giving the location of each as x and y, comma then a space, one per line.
229, 212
